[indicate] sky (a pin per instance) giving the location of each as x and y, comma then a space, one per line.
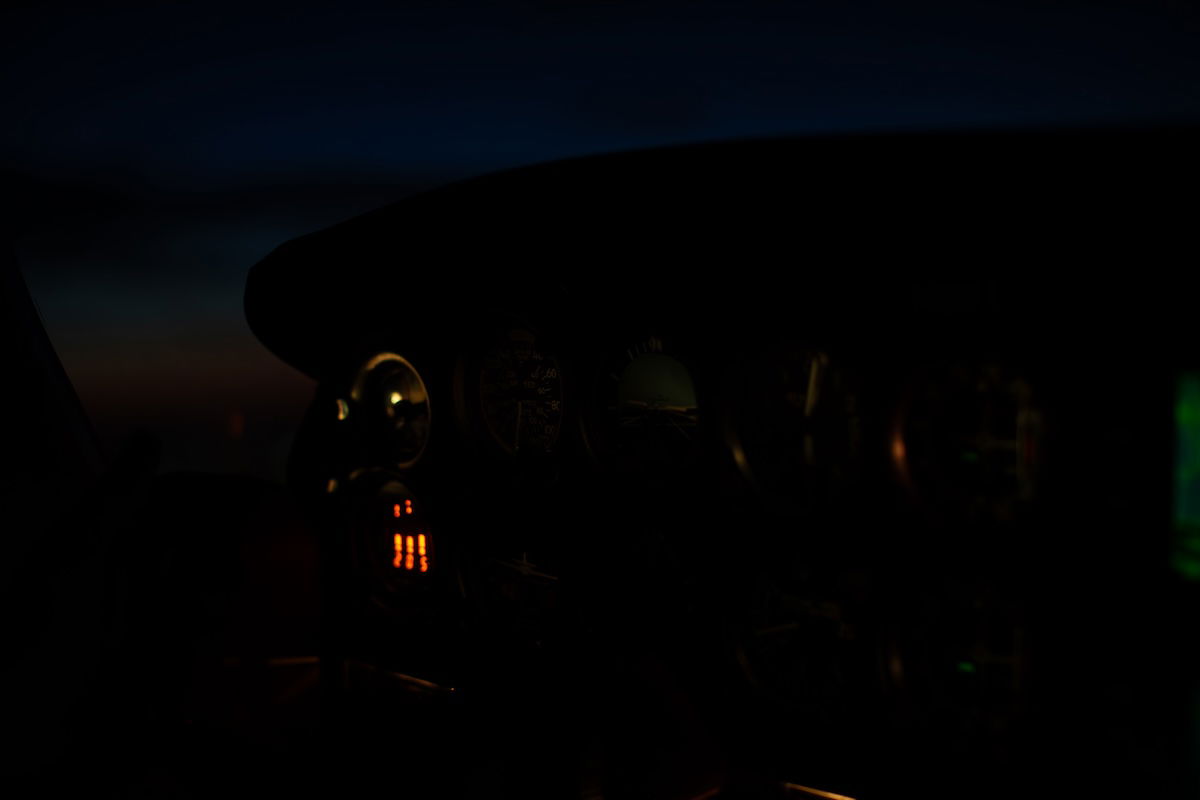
155, 151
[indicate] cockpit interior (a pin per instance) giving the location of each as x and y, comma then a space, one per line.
857, 466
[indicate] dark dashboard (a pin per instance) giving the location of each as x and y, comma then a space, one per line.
842, 466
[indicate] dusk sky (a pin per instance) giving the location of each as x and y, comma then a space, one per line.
155, 153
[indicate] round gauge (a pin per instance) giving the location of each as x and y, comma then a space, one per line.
969, 439
801, 650
960, 653
521, 394
652, 408
794, 429
395, 406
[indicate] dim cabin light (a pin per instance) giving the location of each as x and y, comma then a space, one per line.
396, 397
900, 456
739, 457
811, 792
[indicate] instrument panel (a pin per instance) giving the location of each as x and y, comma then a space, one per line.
759, 499
719, 484
798, 426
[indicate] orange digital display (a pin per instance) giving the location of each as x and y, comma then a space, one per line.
411, 551
410, 545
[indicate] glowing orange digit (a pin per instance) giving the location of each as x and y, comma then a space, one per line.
421, 544
407, 508
396, 510
424, 564
398, 542
408, 561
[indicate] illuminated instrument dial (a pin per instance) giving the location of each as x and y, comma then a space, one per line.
969, 440
396, 408
653, 412
521, 392
795, 429
800, 650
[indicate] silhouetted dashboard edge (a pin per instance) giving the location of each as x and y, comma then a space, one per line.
873, 213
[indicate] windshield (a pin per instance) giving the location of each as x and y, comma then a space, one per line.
158, 151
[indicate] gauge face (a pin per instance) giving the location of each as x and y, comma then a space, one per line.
970, 440
521, 393
802, 651
653, 411
395, 407
795, 428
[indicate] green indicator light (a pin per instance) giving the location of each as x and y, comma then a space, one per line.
966, 667
1187, 567
970, 456
1185, 557
1187, 539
